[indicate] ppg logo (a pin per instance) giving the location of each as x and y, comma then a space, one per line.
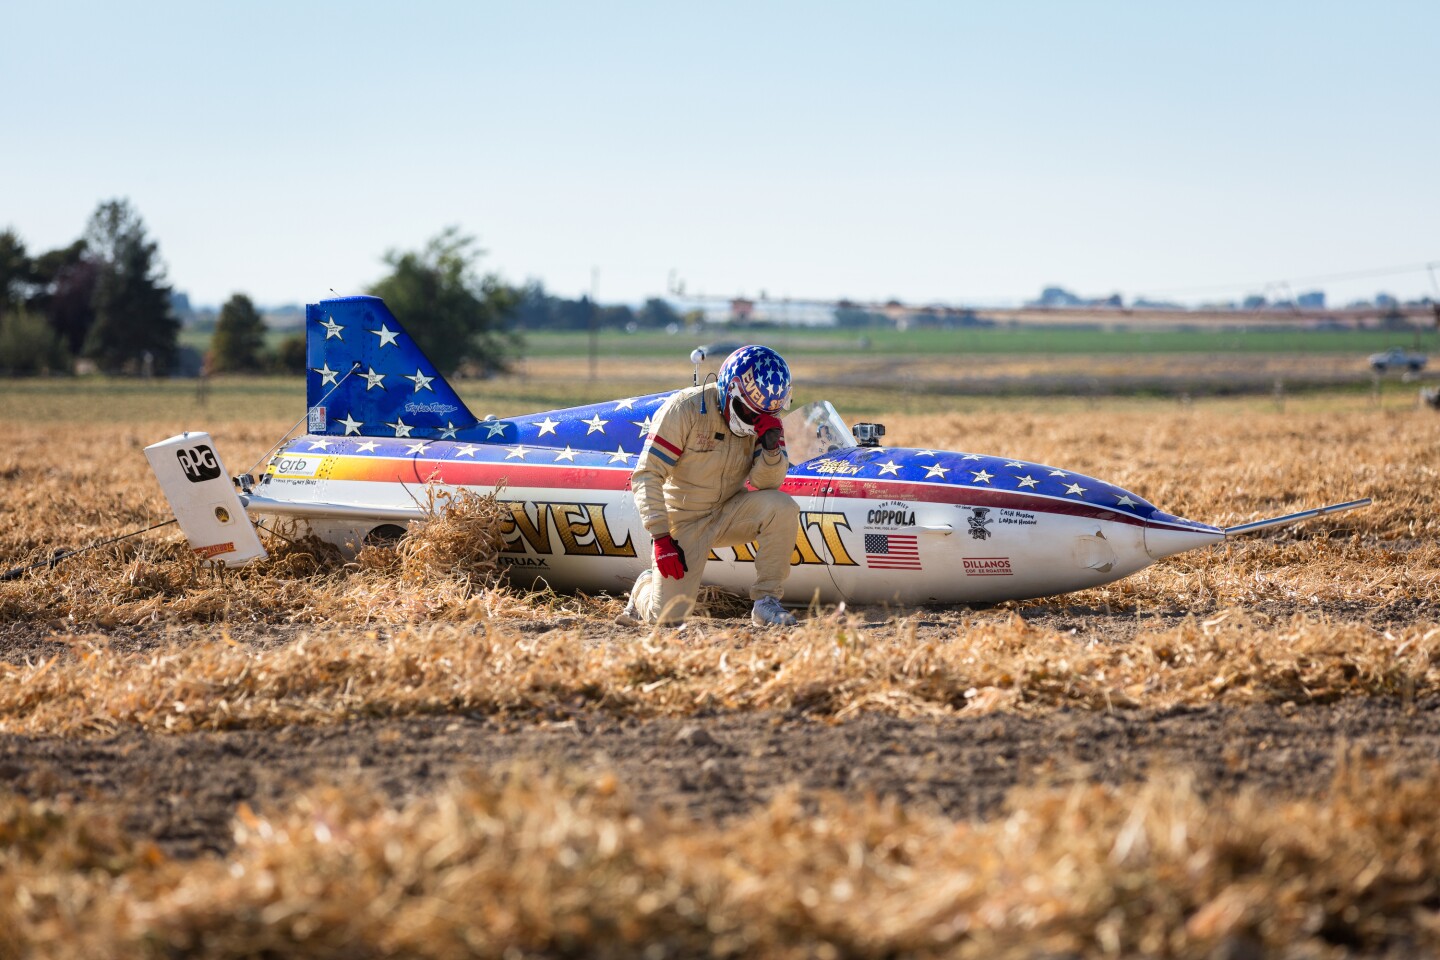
199, 463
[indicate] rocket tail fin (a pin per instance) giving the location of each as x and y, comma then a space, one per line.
367, 377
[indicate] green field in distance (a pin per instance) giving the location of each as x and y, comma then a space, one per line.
987, 340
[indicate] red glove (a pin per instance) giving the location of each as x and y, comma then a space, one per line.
768, 429
670, 558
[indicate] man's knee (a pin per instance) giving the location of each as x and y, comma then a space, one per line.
780, 506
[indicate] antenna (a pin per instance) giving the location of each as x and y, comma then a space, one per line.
696, 357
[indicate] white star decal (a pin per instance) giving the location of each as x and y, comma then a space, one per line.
566, 454
1027, 481
368, 446
594, 423
519, 451
644, 425
891, 467
936, 471
449, 432
972, 456
373, 379
387, 336
620, 455
319, 444
547, 426
1074, 489
1015, 463
417, 447
351, 425
625, 405
1058, 473
924, 453
401, 428
421, 381
1125, 501
466, 451
496, 428
332, 329
326, 374
981, 476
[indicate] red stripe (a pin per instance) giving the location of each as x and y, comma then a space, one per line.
656, 438
850, 488
460, 473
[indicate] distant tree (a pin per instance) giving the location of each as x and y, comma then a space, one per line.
63, 290
532, 309
1254, 302
16, 271
181, 307
617, 317
28, 345
458, 318
134, 327
657, 314
289, 356
572, 314
538, 310
239, 340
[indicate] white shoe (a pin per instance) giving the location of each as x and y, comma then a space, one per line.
630, 616
769, 613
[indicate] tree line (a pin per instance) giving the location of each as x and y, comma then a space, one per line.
104, 303
103, 299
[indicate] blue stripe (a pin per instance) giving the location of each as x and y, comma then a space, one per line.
659, 454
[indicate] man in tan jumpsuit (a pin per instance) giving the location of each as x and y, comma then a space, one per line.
690, 487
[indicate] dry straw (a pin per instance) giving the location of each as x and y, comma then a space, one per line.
138, 633
524, 867
832, 667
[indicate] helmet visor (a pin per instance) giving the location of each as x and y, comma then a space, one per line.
743, 411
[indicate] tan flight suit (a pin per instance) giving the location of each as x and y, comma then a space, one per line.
690, 483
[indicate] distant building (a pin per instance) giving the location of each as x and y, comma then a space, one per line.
782, 313
1056, 297
1052, 297
1311, 300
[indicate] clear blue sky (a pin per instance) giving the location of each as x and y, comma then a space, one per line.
931, 151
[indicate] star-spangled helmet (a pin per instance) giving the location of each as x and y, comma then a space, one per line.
758, 376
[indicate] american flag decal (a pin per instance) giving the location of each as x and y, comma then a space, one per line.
892, 551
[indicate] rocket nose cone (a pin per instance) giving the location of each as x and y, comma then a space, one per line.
1166, 536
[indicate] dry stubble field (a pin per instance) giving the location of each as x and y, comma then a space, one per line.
1235, 750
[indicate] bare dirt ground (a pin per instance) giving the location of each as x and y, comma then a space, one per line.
183, 790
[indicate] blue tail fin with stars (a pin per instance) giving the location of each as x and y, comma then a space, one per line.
368, 378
